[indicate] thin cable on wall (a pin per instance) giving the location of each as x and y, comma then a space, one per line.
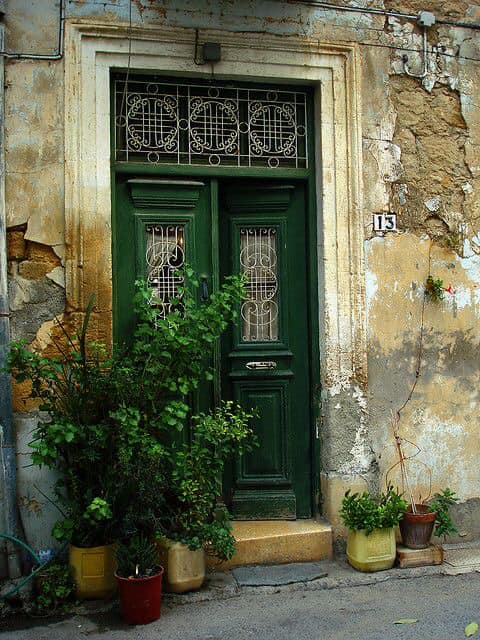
383, 12
127, 76
400, 48
394, 47
414, 50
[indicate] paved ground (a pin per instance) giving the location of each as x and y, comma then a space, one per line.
343, 605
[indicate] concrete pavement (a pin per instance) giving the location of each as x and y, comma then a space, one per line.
343, 604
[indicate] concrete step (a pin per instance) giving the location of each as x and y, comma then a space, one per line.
279, 542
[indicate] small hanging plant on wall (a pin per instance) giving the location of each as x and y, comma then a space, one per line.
434, 289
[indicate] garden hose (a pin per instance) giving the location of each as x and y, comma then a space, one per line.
36, 559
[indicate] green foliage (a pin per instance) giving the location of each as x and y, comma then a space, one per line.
54, 590
169, 357
195, 479
363, 511
137, 558
471, 629
440, 504
434, 289
112, 416
78, 388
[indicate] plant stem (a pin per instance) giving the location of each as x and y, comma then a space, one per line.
420, 344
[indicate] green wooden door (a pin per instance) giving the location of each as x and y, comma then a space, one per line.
266, 357
221, 227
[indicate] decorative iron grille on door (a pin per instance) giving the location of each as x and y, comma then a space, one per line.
165, 259
216, 125
258, 262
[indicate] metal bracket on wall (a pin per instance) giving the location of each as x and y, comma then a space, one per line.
425, 20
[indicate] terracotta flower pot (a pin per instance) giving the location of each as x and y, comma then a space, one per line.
140, 598
417, 528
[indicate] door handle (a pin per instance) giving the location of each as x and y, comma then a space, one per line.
204, 294
261, 365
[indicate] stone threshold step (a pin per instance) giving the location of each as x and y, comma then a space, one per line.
262, 542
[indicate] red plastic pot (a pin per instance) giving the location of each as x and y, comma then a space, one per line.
140, 598
417, 528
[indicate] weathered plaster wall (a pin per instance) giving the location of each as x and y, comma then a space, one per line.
421, 146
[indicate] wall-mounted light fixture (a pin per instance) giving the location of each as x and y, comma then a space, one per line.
211, 51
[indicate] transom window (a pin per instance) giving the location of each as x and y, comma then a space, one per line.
214, 125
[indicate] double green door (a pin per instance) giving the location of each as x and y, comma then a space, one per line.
220, 227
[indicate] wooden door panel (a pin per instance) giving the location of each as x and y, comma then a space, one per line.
264, 362
270, 463
265, 357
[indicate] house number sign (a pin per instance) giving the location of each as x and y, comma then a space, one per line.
384, 222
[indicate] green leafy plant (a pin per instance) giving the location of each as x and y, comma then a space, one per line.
434, 289
54, 590
362, 511
78, 388
169, 357
137, 558
440, 504
195, 482
112, 416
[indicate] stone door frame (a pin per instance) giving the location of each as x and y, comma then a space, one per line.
93, 50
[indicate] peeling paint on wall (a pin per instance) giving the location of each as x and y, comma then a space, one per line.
421, 150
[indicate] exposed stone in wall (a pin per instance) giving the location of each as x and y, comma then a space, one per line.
456, 10
36, 294
431, 135
33, 302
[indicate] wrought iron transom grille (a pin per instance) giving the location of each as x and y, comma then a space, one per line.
216, 125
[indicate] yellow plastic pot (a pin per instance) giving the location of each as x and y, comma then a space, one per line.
375, 552
93, 571
184, 569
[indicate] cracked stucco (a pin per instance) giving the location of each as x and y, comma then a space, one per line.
421, 151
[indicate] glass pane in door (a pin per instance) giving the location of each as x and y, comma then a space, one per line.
165, 259
258, 261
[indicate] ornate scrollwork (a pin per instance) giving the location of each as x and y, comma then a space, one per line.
215, 124
152, 123
164, 259
258, 261
273, 130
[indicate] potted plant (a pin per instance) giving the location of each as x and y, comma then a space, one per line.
422, 515
371, 522
194, 519
419, 520
98, 441
111, 415
176, 351
76, 389
139, 580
